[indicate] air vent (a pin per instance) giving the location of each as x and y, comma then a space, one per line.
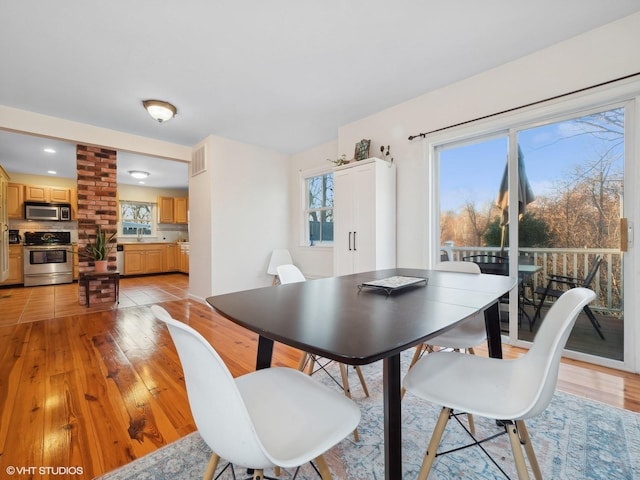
198, 161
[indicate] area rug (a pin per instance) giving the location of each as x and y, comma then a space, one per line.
574, 439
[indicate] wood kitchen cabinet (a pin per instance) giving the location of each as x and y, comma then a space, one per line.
171, 257
165, 210
16, 267
4, 226
172, 210
184, 258
15, 200
143, 258
364, 217
181, 208
76, 261
38, 193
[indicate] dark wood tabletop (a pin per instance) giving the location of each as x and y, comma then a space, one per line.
334, 318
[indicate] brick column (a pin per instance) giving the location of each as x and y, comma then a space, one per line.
97, 205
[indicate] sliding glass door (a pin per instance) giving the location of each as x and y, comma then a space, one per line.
567, 177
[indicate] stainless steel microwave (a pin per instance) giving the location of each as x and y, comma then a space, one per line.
56, 212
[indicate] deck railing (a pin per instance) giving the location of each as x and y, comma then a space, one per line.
571, 262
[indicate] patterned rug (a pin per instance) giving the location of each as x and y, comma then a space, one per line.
573, 439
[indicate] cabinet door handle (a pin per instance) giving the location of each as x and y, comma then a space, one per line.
354, 242
349, 241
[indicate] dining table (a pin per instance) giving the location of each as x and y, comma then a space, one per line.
354, 320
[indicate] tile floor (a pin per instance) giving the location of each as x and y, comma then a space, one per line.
30, 304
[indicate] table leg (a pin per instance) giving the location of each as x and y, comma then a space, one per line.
392, 418
265, 351
492, 322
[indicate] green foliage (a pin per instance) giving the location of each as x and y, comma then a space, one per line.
99, 247
534, 232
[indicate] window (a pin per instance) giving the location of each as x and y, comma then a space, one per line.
318, 212
137, 219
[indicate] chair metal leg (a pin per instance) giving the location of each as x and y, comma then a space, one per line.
593, 321
518, 456
528, 447
211, 467
432, 449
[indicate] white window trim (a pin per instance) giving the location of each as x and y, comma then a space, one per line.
304, 230
154, 222
625, 92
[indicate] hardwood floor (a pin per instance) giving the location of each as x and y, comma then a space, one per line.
95, 390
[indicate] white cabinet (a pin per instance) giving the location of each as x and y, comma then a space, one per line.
364, 217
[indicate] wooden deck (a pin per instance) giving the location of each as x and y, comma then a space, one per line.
584, 337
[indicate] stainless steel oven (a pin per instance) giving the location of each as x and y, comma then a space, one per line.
48, 258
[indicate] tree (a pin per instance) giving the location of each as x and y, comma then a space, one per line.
532, 231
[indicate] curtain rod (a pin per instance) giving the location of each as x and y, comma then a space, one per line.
423, 135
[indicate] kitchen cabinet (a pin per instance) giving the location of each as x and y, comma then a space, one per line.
143, 258
76, 260
181, 207
171, 257
364, 217
15, 200
172, 210
165, 210
4, 226
184, 258
16, 268
38, 193
74, 203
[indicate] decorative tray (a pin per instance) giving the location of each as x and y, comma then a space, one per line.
392, 284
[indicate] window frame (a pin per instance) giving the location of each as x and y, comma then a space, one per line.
305, 176
153, 212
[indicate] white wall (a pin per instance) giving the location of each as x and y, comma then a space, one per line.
598, 56
246, 189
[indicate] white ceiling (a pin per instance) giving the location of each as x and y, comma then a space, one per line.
281, 74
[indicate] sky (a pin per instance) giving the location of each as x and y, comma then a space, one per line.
472, 173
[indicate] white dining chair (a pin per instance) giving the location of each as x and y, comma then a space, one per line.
279, 257
292, 274
463, 337
270, 418
508, 390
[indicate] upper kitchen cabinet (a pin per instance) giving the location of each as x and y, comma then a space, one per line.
365, 217
15, 200
165, 210
172, 210
181, 207
37, 193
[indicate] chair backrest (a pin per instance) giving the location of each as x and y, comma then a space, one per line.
537, 370
216, 404
465, 267
290, 274
278, 257
492, 264
592, 273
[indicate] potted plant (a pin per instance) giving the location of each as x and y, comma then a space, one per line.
99, 247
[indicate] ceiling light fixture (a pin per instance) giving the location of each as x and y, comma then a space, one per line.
159, 110
49, 150
138, 174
